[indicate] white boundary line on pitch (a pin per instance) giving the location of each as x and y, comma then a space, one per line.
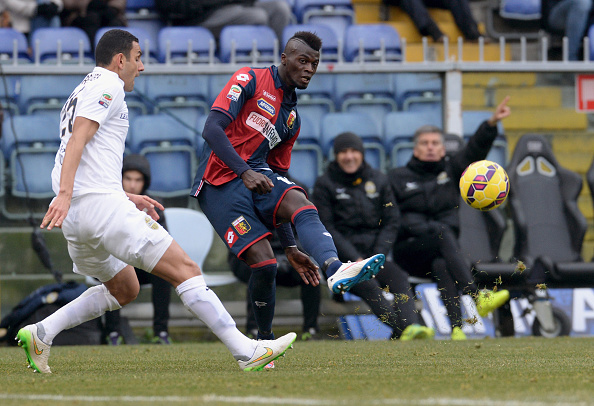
285, 401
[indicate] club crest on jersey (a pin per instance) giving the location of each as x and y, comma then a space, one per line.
241, 225
151, 223
291, 119
261, 124
267, 107
105, 100
234, 93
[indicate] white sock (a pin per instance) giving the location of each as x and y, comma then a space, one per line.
91, 304
205, 305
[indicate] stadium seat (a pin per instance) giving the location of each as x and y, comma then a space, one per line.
216, 83
306, 164
372, 93
137, 5
549, 226
318, 98
10, 94
152, 26
591, 41
415, 90
9, 38
471, 120
359, 123
30, 151
372, 42
338, 14
186, 45
182, 224
63, 45
46, 94
248, 43
183, 96
148, 45
169, 147
331, 45
520, 9
399, 128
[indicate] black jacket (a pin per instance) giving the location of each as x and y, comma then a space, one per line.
427, 193
358, 210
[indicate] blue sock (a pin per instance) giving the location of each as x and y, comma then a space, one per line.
315, 239
262, 291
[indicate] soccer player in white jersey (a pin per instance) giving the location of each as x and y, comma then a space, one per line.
109, 232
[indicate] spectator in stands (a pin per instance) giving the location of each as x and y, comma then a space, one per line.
569, 17
217, 14
136, 179
28, 15
286, 276
417, 10
427, 193
357, 207
90, 15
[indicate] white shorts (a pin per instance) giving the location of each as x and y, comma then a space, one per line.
106, 231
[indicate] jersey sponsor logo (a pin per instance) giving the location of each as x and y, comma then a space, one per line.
105, 100
267, 107
230, 237
261, 124
269, 95
234, 93
291, 119
152, 224
243, 77
241, 225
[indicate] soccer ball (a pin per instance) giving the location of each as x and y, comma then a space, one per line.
484, 185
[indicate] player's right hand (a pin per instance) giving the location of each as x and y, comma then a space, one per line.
257, 182
57, 212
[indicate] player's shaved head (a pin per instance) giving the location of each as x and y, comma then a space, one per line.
113, 42
304, 37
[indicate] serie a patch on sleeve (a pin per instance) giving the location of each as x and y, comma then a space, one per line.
105, 99
234, 93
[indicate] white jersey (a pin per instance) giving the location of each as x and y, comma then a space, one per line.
99, 97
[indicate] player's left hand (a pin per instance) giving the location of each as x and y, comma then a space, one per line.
146, 204
304, 266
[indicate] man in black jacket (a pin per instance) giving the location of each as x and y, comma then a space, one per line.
357, 206
427, 193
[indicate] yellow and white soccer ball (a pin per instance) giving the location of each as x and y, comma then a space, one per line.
484, 185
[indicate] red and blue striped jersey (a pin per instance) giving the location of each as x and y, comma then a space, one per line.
264, 125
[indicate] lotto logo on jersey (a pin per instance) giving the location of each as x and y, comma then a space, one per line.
105, 100
234, 93
241, 225
230, 237
261, 124
267, 107
291, 119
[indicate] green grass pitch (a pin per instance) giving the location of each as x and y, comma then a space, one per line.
489, 372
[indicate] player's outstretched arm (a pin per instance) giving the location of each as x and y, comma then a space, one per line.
83, 130
303, 265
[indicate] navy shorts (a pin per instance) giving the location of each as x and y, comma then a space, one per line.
241, 217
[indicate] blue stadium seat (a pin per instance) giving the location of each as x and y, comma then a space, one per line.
375, 42
520, 9
244, 40
362, 125
306, 164
197, 42
216, 83
471, 120
591, 41
30, 153
318, 98
310, 127
2, 180
46, 94
144, 37
399, 128
9, 95
152, 26
418, 91
137, 5
331, 48
338, 14
8, 38
63, 43
170, 148
198, 139
182, 95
